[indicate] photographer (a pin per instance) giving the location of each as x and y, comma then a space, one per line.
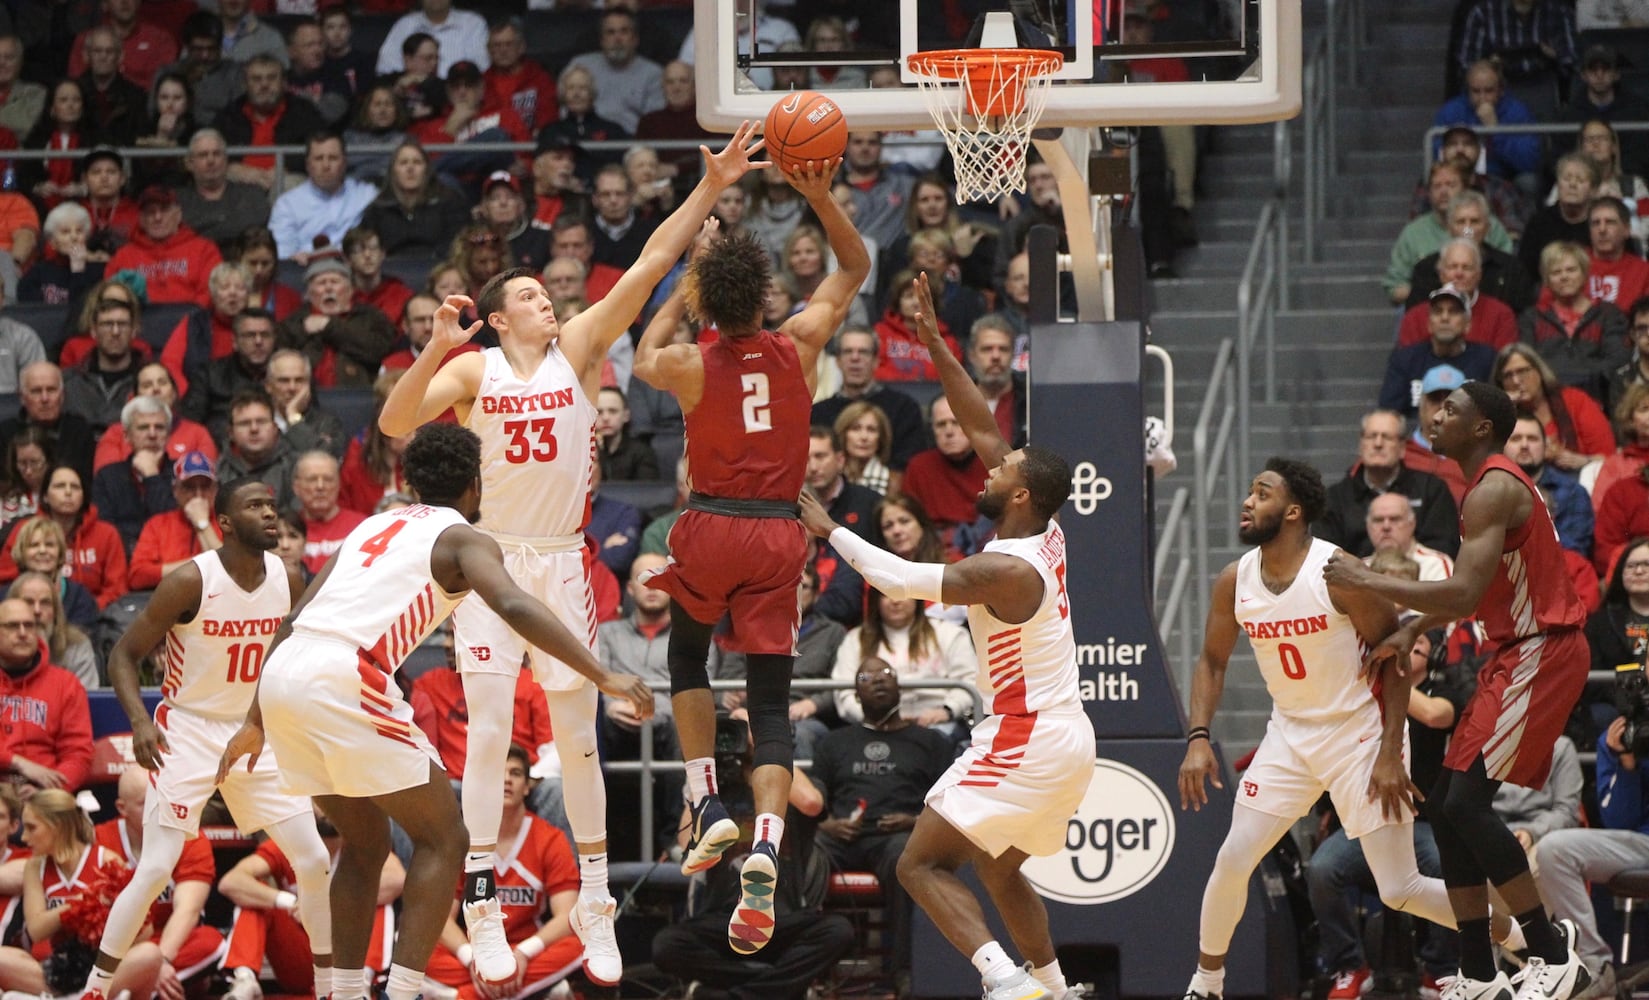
1618, 633
806, 942
1569, 859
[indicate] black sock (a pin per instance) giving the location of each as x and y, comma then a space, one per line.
478, 886
1542, 936
1476, 951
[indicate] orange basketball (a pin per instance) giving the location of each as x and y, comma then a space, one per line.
805, 126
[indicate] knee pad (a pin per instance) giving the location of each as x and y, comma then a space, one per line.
768, 691
689, 650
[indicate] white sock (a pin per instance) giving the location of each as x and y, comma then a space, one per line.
991, 961
350, 984
404, 984
701, 778
1052, 978
592, 876
323, 982
770, 828
1515, 941
1209, 981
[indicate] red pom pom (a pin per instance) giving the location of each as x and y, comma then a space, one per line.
88, 908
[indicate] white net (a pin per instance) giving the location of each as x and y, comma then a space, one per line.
985, 103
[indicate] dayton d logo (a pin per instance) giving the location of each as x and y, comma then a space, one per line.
1118, 841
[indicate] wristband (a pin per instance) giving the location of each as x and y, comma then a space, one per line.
285, 901
531, 948
465, 955
1197, 733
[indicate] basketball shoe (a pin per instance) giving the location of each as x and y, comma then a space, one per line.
593, 923
712, 834
494, 958
1016, 985
1542, 980
752, 924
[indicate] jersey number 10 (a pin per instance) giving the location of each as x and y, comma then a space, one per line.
245, 663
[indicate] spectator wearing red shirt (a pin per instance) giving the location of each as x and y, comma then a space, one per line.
187, 945
174, 262
518, 80
172, 538
946, 479
556, 187
385, 293
203, 337
571, 237
184, 436
267, 116
45, 720
144, 48
113, 215
904, 357
315, 481
1490, 321
471, 114
93, 557
1617, 275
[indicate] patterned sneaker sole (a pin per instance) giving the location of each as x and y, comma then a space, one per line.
752, 924
722, 834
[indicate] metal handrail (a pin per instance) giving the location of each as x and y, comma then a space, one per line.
1174, 610
1315, 114
1257, 299
1210, 444
646, 766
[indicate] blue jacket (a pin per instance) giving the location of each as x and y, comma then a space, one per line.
1407, 366
1620, 794
1508, 155
1572, 509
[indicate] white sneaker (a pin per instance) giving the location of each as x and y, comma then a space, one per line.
1016, 985
1461, 988
244, 985
1542, 980
494, 958
593, 923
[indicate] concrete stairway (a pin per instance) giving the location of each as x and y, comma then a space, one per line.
1333, 341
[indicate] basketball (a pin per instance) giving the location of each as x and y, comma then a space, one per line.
805, 126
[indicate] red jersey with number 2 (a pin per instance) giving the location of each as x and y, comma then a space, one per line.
747, 437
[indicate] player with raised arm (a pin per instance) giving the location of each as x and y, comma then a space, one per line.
1511, 575
737, 550
1010, 793
216, 615
1337, 724
338, 722
530, 400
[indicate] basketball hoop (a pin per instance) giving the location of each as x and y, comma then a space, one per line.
987, 117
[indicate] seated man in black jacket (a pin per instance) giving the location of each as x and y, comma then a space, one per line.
806, 942
207, 401
1380, 469
129, 492
621, 455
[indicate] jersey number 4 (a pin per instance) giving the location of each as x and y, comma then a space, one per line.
1293, 663
530, 440
378, 544
758, 411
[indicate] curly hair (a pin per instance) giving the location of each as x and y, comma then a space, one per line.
727, 287
1048, 477
442, 462
1305, 485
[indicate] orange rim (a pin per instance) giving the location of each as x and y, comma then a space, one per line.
994, 79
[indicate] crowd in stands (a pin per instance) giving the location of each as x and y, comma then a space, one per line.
172, 321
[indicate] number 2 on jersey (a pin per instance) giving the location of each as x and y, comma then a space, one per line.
378, 544
1293, 662
758, 414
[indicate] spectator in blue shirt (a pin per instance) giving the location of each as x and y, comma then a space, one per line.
1571, 504
1485, 103
1449, 319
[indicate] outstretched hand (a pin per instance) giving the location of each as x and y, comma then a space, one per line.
814, 517
707, 235
734, 161
813, 178
927, 318
449, 329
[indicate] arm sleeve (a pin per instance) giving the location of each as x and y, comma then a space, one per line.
897, 578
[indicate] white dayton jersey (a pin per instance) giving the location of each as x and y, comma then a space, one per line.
213, 660
1309, 652
1029, 666
380, 595
537, 445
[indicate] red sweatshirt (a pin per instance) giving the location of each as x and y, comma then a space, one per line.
439, 710
44, 716
175, 268
97, 559
166, 538
904, 359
